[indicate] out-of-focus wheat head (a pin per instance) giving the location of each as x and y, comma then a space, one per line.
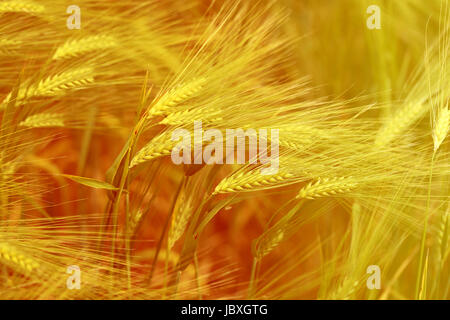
86, 177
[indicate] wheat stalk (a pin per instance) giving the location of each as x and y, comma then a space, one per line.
441, 127
326, 186
20, 6
176, 95
11, 255
54, 85
73, 48
43, 120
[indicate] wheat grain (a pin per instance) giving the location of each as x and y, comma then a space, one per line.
176, 95
73, 48
43, 120
441, 127
326, 186
21, 6
11, 255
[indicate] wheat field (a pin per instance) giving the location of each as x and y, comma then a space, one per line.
358, 207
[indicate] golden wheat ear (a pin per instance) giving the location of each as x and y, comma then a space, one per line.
43, 120
17, 260
21, 6
251, 181
327, 187
441, 127
175, 96
78, 47
55, 85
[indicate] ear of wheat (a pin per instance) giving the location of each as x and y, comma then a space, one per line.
268, 241
297, 137
6, 169
73, 48
7, 46
346, 289
72, 79
20, 6
251, 181
54, 85
175, 96
161, 145
43, 120
441, 127
443, 235
327, 187
180, 221
188, 116
399, 123
134, 221
12, 256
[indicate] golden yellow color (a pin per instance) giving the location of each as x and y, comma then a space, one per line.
86, 175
